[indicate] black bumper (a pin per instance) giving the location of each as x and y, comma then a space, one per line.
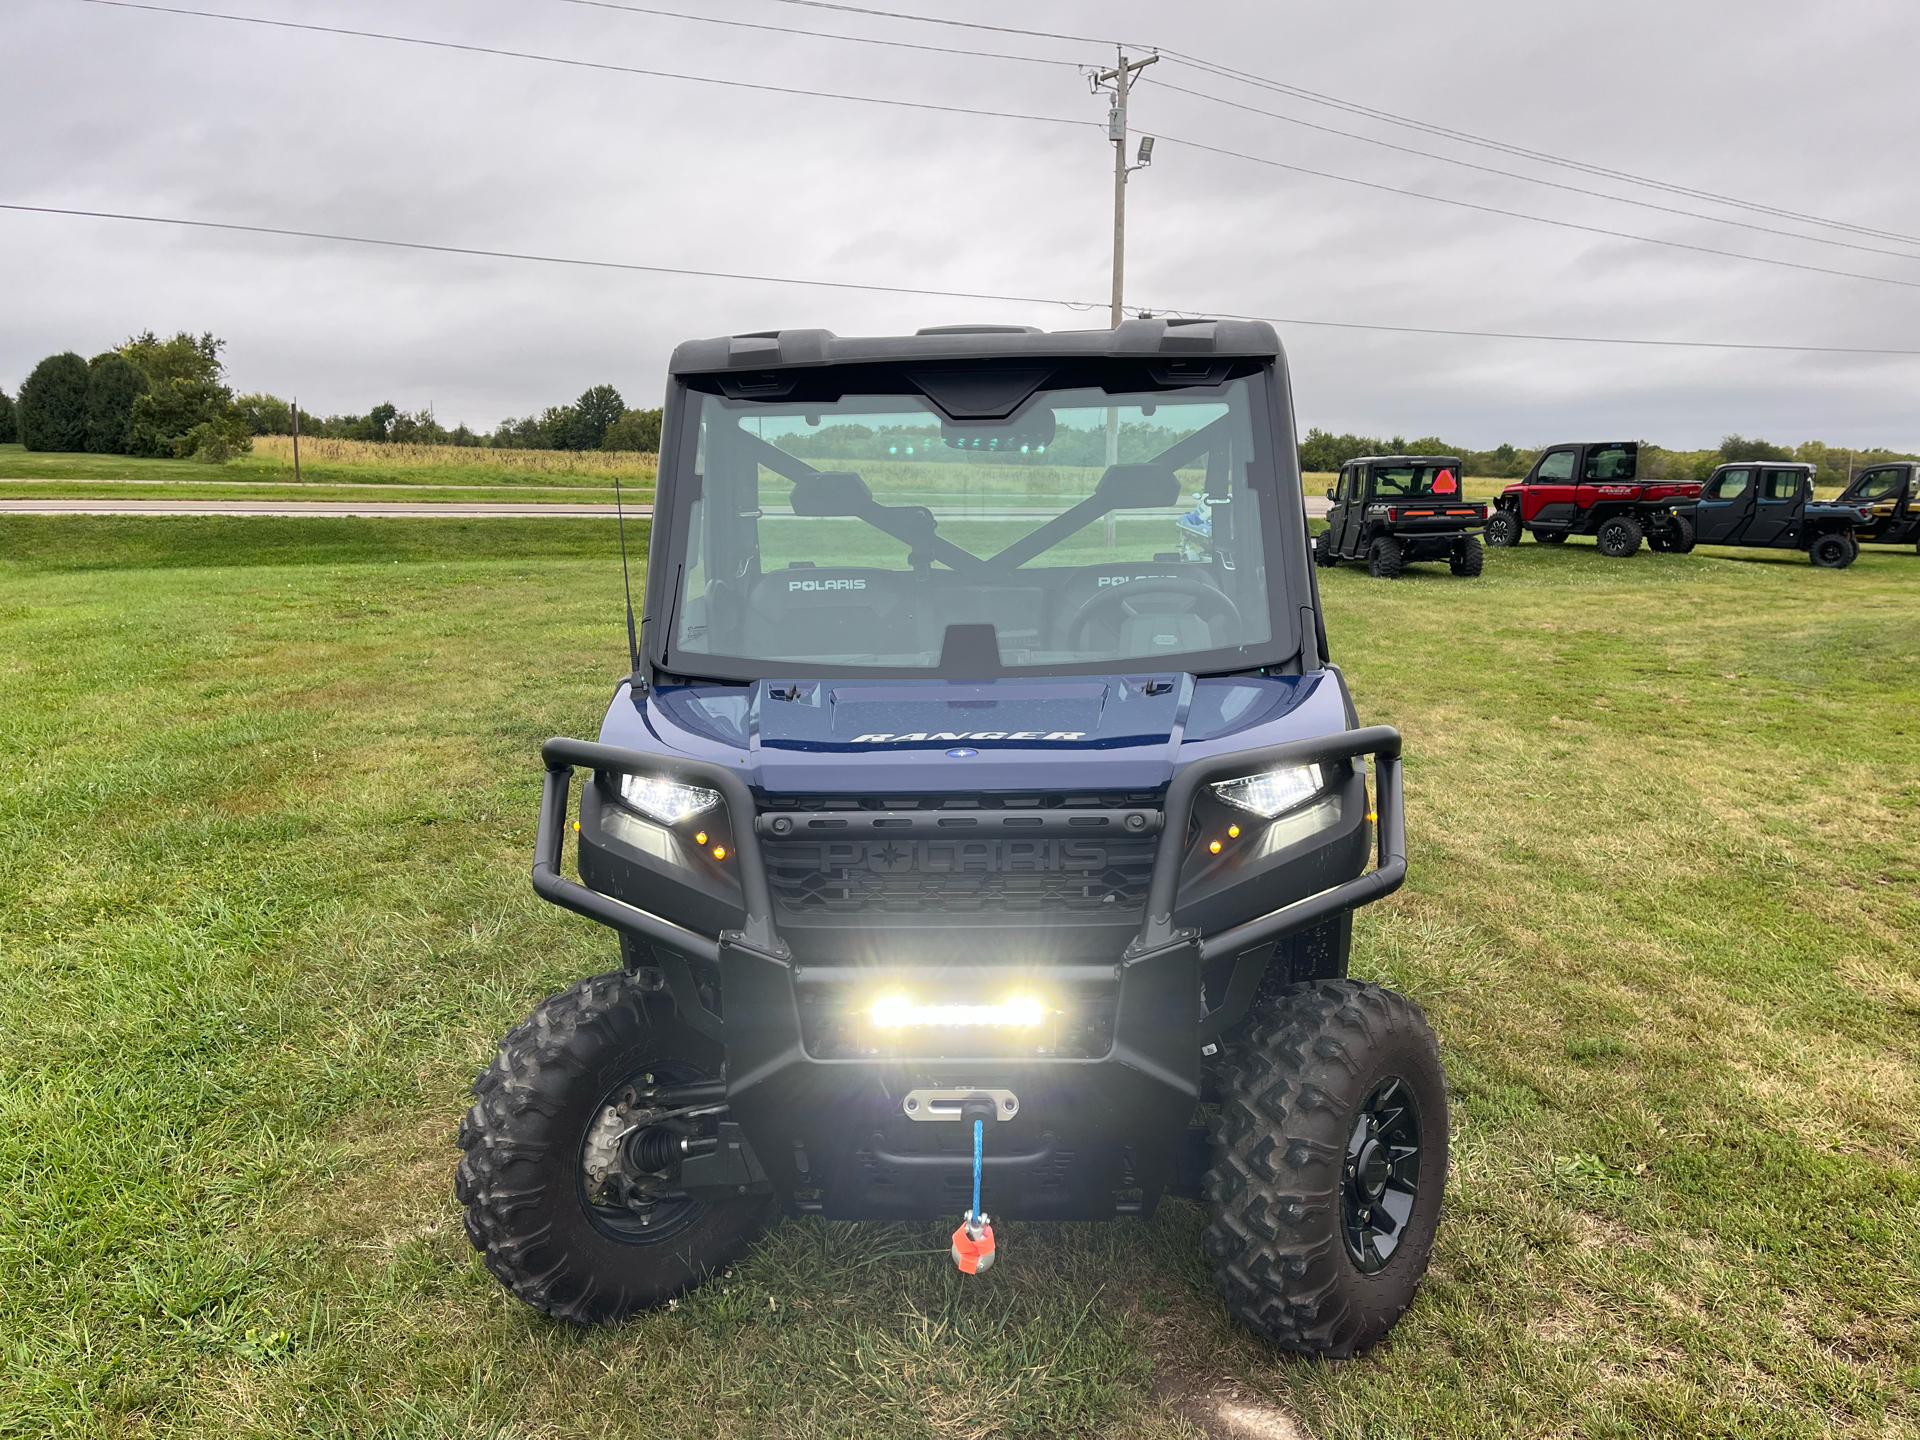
1101, 1120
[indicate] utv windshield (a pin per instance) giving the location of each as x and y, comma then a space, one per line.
1090, 529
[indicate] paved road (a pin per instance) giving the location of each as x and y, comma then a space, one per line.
447, 510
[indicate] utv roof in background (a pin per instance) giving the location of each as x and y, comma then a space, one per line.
776, 349
1403, 460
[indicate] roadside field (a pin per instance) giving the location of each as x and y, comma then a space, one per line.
270, 463
266, 816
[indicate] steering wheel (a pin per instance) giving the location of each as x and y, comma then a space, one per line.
1201, 597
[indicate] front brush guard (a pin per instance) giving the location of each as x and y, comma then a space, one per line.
1246, 943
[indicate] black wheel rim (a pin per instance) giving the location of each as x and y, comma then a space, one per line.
669, 1215
1381, 1177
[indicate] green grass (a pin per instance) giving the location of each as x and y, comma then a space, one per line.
268, 804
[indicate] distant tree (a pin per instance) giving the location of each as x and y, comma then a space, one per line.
1736, 447
527, 434
634, 430
53, 404
9, 421
380, 420
265, 414
189, 409
596, 410
114, 384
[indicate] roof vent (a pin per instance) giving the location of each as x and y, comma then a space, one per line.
981, 330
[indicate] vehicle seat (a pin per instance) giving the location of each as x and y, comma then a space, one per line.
1083, 584
803, 612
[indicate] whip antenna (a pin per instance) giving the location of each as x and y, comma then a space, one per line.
626, 580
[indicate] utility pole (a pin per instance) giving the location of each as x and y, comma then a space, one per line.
296, 439
1120, 79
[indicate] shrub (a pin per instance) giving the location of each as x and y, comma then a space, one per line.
114, 383
9, 425
210, 442
53, 404
634, 430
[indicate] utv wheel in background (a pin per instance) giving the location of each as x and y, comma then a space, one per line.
1550, 537
1329, 1158
1671, 535
1386, 558
1619, 537
548, 1177
1468, 557
1832, 551
1323, 555
1503, 528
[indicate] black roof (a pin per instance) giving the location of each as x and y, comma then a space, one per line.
1404, 460
1133, 339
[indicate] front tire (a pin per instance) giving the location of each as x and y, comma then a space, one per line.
1503, 528
1619, 537
1386, 558
1323, 555
537, 1165
1832, 551
1469, 557
1329, 1159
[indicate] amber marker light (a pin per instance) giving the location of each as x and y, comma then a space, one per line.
701, 838
1233, 832
1214, 848
719, 852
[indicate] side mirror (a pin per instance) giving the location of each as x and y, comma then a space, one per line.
1329, 493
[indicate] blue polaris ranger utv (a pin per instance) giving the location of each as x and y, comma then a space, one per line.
977, 842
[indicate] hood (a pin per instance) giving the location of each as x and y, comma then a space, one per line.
1039, 735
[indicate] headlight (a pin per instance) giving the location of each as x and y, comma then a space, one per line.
667, 801
1273, 793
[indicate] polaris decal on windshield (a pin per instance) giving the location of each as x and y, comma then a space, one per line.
1106, 580
793, 585
889, 738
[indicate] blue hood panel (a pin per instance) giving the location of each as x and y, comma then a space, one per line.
899, 737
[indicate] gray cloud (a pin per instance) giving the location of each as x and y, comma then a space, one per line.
1797, 106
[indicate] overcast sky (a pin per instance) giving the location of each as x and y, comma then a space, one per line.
1801, 107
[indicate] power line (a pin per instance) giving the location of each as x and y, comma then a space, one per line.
1077, 305
607, 66
601, 65
1529, 179
1387, 116
1544, 157
821, 34
1538, 219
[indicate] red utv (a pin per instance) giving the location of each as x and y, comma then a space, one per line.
1591, 489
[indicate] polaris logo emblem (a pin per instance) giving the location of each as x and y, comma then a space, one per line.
1106, 580
793, 585
886, 737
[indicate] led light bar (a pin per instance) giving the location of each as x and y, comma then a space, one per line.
897, 1012
667, 801
1273, 793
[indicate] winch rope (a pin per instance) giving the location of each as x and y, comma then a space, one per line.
979, 1137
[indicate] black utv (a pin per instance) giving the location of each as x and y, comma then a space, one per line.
1770, 505
1891, 496
969, 855
1390, 510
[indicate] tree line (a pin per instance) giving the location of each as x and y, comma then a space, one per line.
158, 397
1833, 464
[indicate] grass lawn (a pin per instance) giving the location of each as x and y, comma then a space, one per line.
267, 812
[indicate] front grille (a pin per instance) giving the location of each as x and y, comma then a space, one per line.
958, 874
